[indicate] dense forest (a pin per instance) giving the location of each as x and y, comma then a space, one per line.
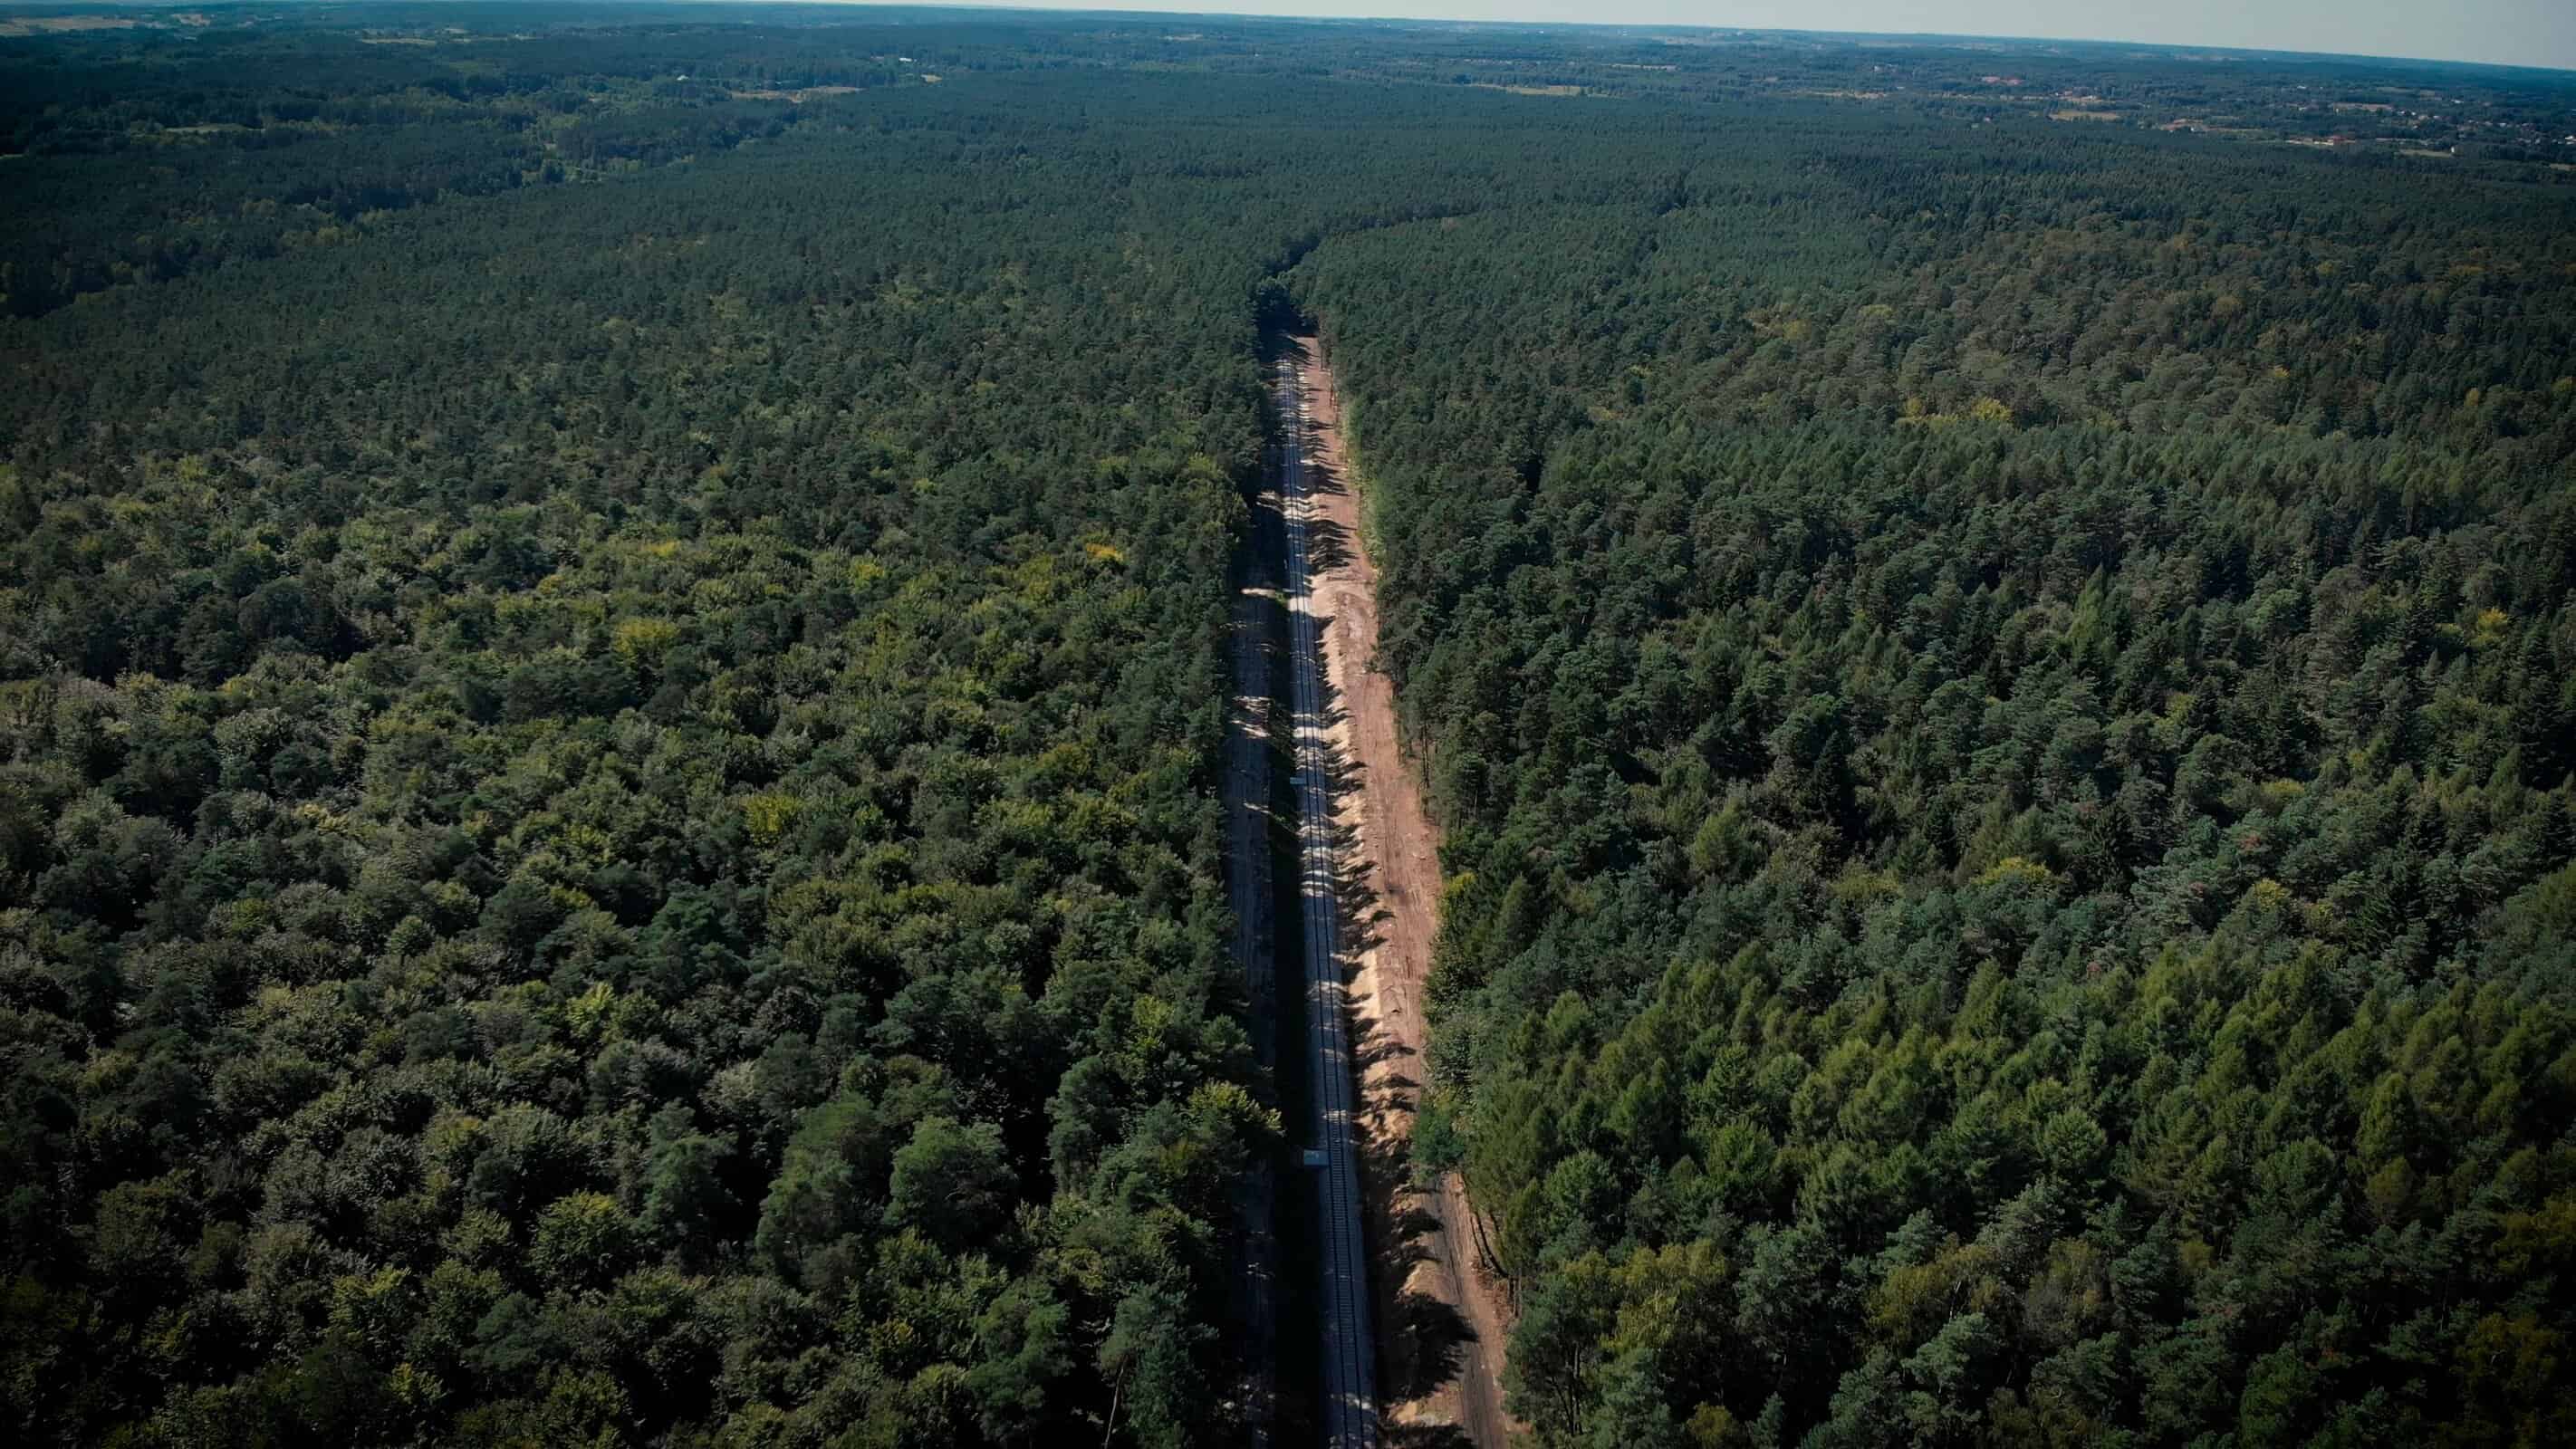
610, 626
604, 833
2006, 719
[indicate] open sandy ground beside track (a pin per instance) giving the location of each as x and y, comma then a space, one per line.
1442, 1321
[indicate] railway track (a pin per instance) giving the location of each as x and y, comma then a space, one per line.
1349, 1411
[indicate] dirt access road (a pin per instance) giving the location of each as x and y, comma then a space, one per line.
1442, 1320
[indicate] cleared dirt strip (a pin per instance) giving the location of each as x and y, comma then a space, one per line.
1442, 1318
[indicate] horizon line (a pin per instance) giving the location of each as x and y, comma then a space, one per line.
1024, 7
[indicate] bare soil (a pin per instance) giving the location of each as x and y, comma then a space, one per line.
799, 96
1442, 1319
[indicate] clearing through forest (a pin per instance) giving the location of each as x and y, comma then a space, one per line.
1441, 1315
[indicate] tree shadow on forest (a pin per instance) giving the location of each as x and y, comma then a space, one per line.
1254, 1262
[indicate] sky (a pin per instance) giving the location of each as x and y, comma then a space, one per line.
2507, 32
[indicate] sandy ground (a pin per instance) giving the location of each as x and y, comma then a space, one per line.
1442, 1324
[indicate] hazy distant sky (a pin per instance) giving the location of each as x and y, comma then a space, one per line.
2509, 32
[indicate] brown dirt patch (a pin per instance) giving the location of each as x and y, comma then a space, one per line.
799, 96
1442, 1322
